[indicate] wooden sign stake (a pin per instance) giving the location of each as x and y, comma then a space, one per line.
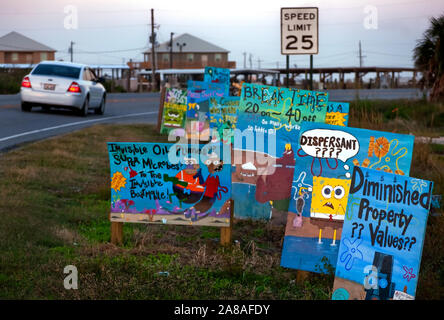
160, 114
301, 276
116, 232
226, 232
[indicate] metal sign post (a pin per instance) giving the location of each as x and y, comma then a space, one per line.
300, 34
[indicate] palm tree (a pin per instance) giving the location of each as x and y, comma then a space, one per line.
429, 57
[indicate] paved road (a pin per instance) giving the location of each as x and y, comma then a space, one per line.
380, 94
17, 127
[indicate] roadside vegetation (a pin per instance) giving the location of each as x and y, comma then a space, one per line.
428, 55
10, 80
55, 205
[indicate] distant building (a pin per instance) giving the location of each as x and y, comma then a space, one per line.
15, 48
189, 52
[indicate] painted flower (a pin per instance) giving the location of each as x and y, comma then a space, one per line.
351, 252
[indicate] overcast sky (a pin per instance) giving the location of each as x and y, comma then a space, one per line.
113, 31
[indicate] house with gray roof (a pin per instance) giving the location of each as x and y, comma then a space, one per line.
16, 48
187, 52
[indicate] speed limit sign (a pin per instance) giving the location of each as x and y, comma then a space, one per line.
299, 30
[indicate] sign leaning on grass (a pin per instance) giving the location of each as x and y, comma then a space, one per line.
174, 110
337, 113
269, 119
382, 241
218, 75
169, 184
198, 111
223, 118
319, 201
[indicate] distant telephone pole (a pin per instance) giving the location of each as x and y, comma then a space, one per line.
259, 63
153, 56
245, 59
360, 55
171, 50
250, 60
71, 51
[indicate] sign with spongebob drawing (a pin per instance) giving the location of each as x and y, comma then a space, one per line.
325, 159
382, 238
169, 183
174, 110
337, 113
269, 119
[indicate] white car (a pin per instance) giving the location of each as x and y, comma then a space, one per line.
63, 85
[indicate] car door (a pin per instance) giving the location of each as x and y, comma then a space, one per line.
88, 78
96, 87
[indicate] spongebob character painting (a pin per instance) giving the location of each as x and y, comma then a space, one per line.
329, 203
320, 200
174, 115
174, 110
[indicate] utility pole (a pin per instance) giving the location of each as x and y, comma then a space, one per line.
311, 72
360, 55
287, 70
153, 56
358, 74
171, 50
259, 63
71, 51
250, 59
245, 59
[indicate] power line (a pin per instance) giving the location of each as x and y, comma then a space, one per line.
113, 51
388, 54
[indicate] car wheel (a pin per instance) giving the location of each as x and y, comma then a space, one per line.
84, 111
26, 106
101, 109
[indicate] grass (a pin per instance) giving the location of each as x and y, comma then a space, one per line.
55, 213
418, 117
54, 209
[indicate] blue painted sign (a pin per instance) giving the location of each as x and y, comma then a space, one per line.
169, 183
198, 111
264, 147
218, 75
325, 158
383, 236
223, 118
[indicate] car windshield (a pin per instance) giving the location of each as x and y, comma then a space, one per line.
57, 70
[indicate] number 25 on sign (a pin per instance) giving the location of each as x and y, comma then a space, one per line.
299, 30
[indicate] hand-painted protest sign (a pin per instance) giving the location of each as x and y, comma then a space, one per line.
218, 75
337, 113
223, 118
169, 183
279, 109
269, 120
198, 112
174, 110
324, 162
383, 236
